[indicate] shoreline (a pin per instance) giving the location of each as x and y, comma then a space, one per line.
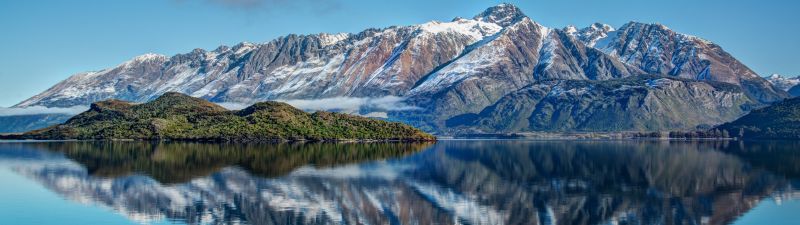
234, 141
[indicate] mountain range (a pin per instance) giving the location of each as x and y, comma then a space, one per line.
496, 72
790, 84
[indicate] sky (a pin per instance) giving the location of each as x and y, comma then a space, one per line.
43, 42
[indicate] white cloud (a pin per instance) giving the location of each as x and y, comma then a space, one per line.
37, 110
233, 105
377, 115
371, 107
352, 104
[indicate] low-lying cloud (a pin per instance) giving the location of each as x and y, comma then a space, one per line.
38, 110
352, 104
233, 105
371, 107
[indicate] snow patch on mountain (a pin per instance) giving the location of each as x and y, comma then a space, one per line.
466, 66
291, 78
547, 50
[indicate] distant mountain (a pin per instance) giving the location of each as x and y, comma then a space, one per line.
785, 83
446, 70
176, 116
778, 121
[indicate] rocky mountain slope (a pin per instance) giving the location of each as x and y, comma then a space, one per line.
445, 69
634, 103
175, 116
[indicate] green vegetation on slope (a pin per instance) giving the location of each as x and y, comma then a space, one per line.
175, 116
778, 121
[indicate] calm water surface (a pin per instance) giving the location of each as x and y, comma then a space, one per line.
449, 182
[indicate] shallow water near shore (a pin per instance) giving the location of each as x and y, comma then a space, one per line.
447, 182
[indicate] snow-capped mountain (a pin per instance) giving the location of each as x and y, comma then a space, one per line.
375, 62
591, 34
447, 69
784, 83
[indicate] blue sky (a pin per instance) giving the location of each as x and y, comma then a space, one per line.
43, 42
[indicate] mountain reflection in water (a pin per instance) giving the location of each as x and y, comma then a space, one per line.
450, 182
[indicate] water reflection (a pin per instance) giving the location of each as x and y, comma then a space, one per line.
468, 182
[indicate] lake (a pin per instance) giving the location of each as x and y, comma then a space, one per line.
448, 182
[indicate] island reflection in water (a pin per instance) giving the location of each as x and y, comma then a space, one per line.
449, 182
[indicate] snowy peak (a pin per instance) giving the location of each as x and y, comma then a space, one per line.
635, 29
147, 58
652, 29
601, 27
472, 28
331, 39
639, 26
783, 83
571, 30
591, 34
504, 15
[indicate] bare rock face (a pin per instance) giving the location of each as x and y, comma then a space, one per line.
444, 69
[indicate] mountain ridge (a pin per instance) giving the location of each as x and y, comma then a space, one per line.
444, 68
